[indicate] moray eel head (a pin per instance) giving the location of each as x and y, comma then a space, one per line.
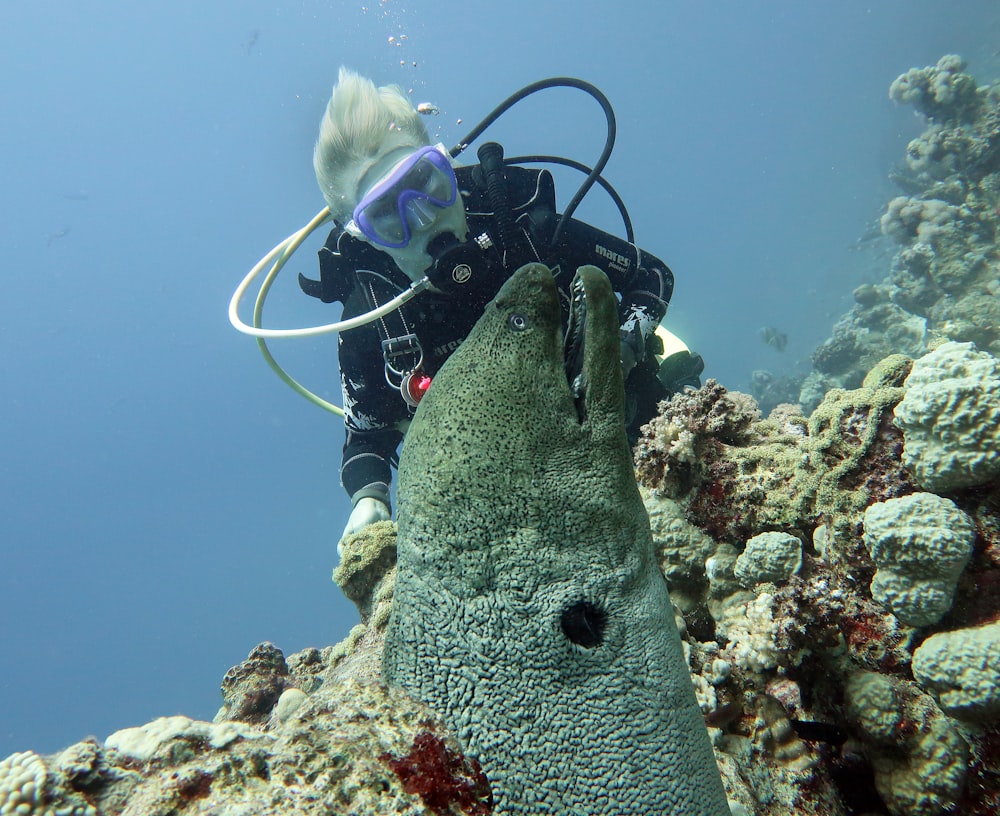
525, 315
529, 609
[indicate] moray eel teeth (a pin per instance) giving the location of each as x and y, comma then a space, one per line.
573, 347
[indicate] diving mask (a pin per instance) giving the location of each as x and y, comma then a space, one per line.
408, 198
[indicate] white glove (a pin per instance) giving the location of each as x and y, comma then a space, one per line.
367, 511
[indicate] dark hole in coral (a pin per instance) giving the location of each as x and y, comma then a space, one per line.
700, 624
195, 786
813, 731
583, 623
855, 782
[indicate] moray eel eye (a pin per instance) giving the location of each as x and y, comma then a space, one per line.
517, 321
583, 623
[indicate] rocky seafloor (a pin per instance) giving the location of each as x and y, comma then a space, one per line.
835, 566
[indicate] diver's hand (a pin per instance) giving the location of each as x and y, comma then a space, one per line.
367, 511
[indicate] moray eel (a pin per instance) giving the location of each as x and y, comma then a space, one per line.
529, 609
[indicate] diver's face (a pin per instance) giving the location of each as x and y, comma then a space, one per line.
414, 259
407, 198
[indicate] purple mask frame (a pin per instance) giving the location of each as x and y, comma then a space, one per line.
386, 203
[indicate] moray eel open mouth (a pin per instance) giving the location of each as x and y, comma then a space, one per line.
574, 345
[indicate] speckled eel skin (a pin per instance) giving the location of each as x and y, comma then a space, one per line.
529, 609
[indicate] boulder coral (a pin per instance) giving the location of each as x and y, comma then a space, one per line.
920, 544
962, 669
950, 417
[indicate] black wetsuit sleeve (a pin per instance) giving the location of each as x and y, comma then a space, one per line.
644, 282
373, 412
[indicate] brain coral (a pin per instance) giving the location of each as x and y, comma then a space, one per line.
770, 556
962, 669
950, 418
25, 790
921, 543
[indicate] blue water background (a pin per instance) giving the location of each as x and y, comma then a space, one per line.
166, 503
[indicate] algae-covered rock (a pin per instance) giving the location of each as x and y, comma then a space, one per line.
360, 748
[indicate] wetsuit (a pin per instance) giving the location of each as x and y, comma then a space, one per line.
425, 331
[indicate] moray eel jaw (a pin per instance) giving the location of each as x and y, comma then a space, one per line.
591, 343
573, 348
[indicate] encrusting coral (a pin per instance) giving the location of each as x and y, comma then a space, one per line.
786, 472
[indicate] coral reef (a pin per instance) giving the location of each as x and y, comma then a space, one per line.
349, 747
786, 472
888, 628
827, 559
819, 699
834, 566
944, 280
941, 92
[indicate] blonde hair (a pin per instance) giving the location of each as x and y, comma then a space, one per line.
361, 122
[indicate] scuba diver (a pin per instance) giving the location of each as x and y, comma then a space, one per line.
402, 211
420, 245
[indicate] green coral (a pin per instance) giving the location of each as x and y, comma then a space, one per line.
367, 561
